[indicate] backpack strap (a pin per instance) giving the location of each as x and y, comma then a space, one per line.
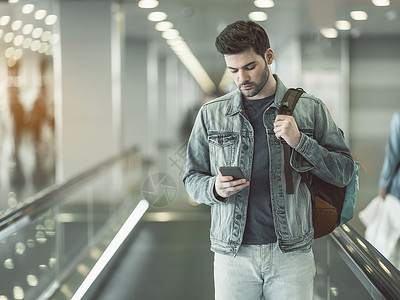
288, 104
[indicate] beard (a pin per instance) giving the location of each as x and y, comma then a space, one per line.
256, 86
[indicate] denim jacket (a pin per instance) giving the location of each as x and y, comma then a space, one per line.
223, 136
390, 175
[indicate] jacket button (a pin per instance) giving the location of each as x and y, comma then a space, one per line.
238, 217
245, 147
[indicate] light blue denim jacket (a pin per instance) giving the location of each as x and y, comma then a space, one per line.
390, 175
223, 136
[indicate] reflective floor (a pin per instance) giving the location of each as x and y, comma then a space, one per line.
165, 261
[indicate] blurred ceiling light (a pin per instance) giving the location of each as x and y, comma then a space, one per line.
49, 50
258, 16
148, 3
16, 25
359, 15
43, 47
32, 280
50, 20
264, 3
329, 33
381, 2
35, 45
13, 1
27, 29
163, 26
37, 32
18, 292
46, 36
27, 43
4, 20
9, 264
343, 25
170, 34
181, 49
20, 248
8, 37
175, 42
18, 40
194, 67
9, 52
157, 16
40, 14
226, 81
28, 8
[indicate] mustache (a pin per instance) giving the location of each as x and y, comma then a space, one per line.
246, 83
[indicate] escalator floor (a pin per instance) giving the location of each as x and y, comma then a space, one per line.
165, 260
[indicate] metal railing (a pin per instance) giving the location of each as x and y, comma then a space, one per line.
379, 277
47, 237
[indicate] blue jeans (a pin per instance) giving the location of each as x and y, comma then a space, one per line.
264, 272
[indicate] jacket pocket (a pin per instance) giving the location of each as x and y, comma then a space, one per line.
223, 148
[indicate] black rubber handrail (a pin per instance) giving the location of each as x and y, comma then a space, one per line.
53, 194
375, 272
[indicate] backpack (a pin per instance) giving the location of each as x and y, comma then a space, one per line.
332, 206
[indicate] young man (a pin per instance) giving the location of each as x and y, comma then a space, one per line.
261, 235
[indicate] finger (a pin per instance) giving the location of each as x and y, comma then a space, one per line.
233, 183
237, 188
278, 133
280, 118
224, 178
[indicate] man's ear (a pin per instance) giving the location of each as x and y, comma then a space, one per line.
269, 56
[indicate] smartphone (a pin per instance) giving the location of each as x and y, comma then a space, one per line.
235, 172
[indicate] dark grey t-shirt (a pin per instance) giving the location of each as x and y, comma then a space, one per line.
259, 225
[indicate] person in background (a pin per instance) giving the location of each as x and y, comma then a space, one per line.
389, 181
261, 235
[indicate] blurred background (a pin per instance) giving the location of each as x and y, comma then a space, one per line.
85, 81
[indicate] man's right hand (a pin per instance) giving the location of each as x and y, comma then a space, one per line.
226, 186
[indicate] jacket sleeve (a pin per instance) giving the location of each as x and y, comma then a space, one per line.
391, 162
326, 154
197, 177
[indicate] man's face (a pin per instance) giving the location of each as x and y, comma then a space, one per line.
249, 71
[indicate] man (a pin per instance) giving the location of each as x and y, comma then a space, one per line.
389, 181
261, 235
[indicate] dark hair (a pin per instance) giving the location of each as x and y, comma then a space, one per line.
241, 36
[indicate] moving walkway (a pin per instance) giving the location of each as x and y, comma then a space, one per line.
95, 237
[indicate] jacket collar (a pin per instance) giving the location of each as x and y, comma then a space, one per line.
235, 106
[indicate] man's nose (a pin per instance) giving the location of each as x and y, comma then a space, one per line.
243, 76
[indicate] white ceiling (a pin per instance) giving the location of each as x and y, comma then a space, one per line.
200, 21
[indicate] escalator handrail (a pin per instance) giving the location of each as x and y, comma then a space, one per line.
374, 266
52, 194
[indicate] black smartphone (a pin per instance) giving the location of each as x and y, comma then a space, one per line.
235, 172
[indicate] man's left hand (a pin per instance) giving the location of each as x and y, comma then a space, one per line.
285, 127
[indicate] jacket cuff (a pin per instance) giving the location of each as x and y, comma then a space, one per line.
298, 159
213, 194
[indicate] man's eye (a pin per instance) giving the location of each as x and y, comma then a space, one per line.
250, 68
233, 71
